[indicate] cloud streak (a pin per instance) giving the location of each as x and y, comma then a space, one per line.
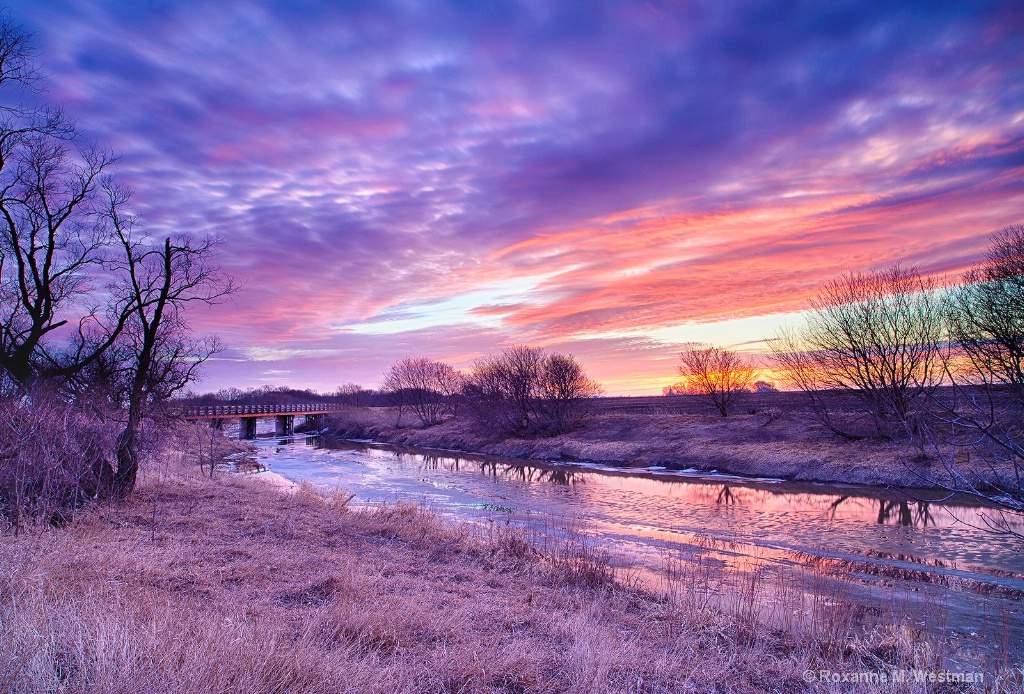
559, 173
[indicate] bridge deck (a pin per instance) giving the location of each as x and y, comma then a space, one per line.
257, 411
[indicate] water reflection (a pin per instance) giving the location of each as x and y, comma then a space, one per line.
665, 507
496, 469
527, 474
834, 506
311, 441
902, 512
655, 518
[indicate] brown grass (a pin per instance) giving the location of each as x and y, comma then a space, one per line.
772, 442
231, 585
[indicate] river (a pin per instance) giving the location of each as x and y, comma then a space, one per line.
904, 558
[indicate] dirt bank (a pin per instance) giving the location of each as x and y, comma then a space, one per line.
788, 445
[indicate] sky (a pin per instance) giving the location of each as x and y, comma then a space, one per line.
608, 179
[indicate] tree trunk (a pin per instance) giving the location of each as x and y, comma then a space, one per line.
127, 441
127, 462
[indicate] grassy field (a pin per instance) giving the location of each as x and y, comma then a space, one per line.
233, 585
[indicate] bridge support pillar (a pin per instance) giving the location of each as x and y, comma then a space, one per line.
314, 421
217, 423
247, 428
284, 424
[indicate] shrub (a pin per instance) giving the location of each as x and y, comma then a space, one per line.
53, 456
428, 388
524, 391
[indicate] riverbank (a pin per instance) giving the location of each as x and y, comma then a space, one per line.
789, 445
233, 585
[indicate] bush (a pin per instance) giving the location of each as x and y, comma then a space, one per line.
53, 456
428, 388
524, 391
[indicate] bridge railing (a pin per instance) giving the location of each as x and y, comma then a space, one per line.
254, 410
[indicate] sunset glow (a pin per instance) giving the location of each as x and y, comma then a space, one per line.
607, 179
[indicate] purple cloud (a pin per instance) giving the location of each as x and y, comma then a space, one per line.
635, 165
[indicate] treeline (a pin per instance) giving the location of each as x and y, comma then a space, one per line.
520, 391
93, 331
272, 395
347, 394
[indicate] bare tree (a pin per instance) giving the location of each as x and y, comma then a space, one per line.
722, 375
63, 234
503, 388
156, 353
565, 392
877, 335
449, 382
426, 387
986, 314
800, 369
979, 437
52, 244
522, 390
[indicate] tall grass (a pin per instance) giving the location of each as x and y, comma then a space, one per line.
233, 586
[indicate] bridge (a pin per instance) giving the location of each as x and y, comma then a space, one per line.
248, 415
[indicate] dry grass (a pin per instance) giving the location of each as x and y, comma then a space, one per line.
232, 586
773, 442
